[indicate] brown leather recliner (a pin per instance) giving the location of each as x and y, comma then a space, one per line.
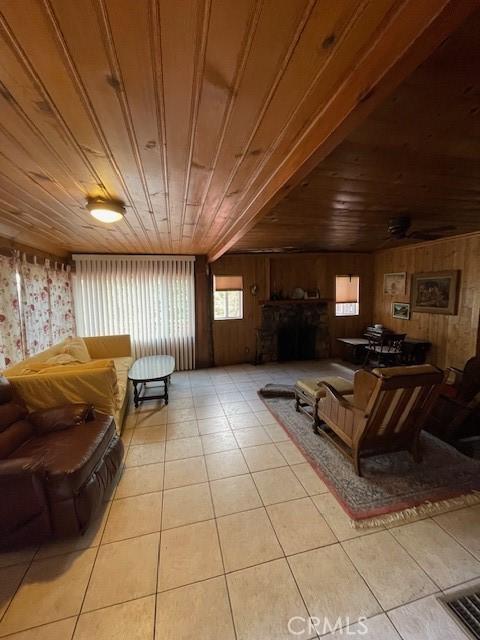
56, 467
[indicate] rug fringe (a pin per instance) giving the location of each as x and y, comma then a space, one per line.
414, 513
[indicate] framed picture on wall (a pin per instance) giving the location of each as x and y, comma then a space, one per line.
395, 283
435, 292
401, 310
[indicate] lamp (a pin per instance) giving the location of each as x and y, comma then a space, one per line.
106, 210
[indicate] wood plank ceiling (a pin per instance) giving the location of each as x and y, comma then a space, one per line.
417, 154
196, 113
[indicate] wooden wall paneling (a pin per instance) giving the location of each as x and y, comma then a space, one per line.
203, 314
351, 326
7, 246
453, 337
234, 340
13, 232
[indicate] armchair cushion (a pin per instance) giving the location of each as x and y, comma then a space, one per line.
313, 386
60, 418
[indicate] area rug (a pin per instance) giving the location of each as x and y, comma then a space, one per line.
393, 487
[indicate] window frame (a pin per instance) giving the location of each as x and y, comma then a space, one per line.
357, 303
226, 292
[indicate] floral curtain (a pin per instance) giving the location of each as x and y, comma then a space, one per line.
35, 307
11, 347
62, 319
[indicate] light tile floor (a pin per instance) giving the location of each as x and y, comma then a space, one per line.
220, 530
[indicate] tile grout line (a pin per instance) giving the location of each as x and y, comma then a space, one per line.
424, 571
221, 556
39, 626
371, 588
94, 561
129, 446
477, 558
28, 567
285, 557
33, 559
157, 573
418, 563
110, 504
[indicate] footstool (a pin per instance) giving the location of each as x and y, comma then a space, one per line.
308, 392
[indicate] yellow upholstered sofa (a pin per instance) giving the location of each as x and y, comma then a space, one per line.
92, 369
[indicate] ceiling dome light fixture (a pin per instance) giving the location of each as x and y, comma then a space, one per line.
106, 210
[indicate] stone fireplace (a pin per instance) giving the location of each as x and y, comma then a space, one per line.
293, 330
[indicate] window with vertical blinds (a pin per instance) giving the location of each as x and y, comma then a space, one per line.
152, 298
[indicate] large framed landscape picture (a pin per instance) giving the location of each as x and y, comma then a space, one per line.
435, 292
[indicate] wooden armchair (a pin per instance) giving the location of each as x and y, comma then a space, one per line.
385, 413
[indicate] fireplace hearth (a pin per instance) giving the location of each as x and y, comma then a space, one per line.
293, 330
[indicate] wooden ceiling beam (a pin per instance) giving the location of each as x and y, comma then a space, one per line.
406, 40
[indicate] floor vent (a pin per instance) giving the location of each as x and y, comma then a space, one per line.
464, 607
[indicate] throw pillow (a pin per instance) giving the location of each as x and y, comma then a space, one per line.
77, 348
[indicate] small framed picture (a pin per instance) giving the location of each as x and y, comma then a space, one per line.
395, 283
401, 310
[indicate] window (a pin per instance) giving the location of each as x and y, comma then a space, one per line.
228, 298
152, 298
346, 295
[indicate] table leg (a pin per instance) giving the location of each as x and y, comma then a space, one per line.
135, 394
165, 382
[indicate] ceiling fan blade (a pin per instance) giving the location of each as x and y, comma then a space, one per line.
424, 235
431, 231
448, 227
386, 241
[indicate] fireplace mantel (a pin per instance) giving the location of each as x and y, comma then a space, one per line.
278, 303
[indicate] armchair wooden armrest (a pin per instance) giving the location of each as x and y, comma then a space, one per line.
342, 401
336, 395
